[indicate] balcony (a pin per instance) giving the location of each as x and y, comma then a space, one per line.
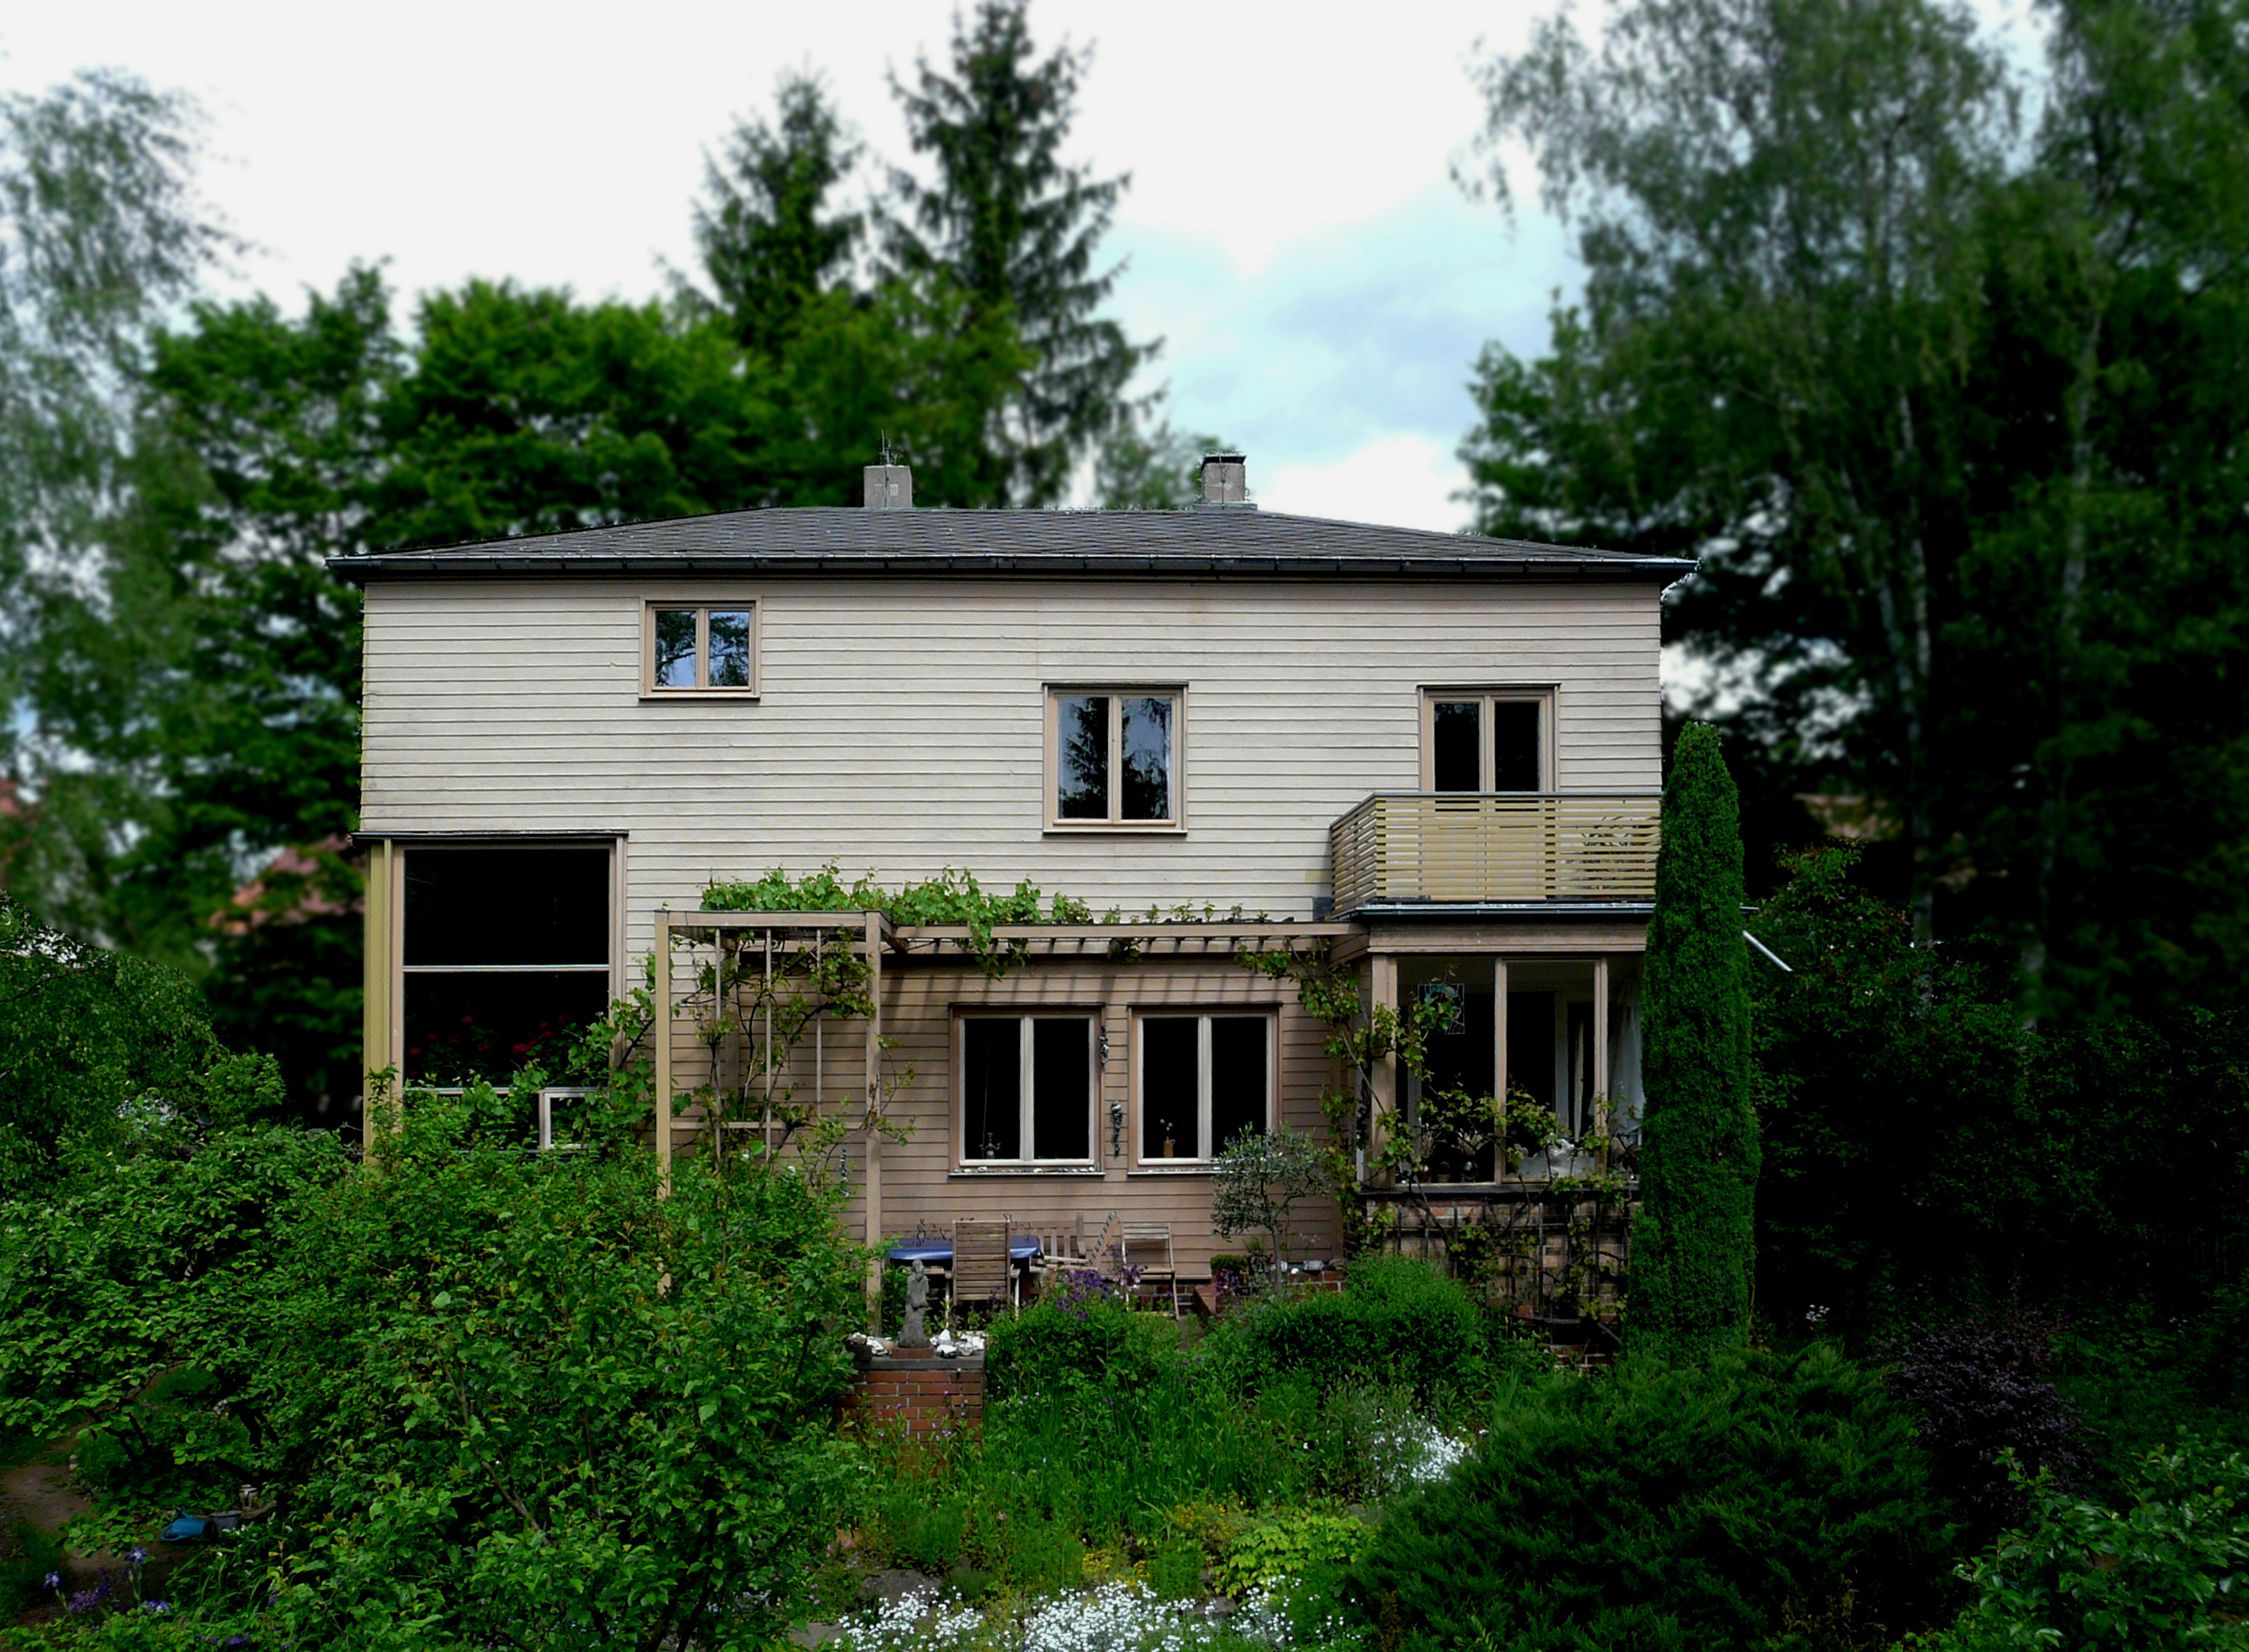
1496, 848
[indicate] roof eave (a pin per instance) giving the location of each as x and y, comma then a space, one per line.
454, 564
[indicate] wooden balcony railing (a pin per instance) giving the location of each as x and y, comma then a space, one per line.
1498, 848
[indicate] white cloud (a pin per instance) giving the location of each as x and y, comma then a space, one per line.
1402, 481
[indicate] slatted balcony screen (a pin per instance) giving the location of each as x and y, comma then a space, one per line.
1495, 848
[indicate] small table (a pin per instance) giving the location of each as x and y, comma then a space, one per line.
938, 1253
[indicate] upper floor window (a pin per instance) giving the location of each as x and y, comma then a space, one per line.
707, 647
1113, 757
1487, 741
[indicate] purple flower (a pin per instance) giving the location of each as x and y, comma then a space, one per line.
53, 1580
136, 1554
159, 1607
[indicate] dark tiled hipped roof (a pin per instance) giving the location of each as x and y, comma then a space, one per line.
1221, 540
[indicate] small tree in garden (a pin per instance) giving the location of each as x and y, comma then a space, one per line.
1693, 1244
1259, 1179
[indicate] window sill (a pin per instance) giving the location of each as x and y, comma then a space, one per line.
1158, 1167
649, 695
979, 1172
1116, 828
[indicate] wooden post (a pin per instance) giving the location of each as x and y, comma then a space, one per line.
374, 1030
874, 1226
662, 1054
1384, 968
1601, 1053
1499, 1066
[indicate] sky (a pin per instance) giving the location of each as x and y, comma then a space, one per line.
1292, 231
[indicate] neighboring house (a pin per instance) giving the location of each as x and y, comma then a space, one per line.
1437, 756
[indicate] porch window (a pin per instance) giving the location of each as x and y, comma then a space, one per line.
699, 648
1487, 741
1204, 1080
505, 956
1113, 757
1027, 1089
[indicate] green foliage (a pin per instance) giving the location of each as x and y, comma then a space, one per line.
1288, 1547
950, 898
1925, 1151
2169, 1571
487, 1386
767, 242
1969, 497
1667, 1507
1059, 1351
1257, 1178
1693, 1244
98, 1046
1398, 1323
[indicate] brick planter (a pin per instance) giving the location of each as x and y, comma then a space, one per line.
917, 1392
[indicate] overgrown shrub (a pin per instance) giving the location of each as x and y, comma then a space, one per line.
1667, 1508
1397, 1322
2169, 1571
1980, 1395
1053, 1349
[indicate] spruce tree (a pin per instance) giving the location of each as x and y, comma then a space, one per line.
1014, 229
768, 243
1694, 1242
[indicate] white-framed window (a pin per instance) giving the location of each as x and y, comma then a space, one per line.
1114, 757
1488, 740
698, 648
505, 954
1203, 1080
1027, 1088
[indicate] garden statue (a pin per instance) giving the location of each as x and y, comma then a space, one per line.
912, 1334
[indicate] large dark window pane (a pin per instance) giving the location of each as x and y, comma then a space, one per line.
730, 647
1147, 739
1169, 1106
1530, 1043
992, 1121
1462, 1059
1456, 749
1515, 748
1081, 757
1062, 1105
492, 1026
515, 905
675, 647
1238, 1078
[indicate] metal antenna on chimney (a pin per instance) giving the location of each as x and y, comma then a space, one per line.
888, 457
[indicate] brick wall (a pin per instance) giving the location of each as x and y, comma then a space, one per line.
917, 1392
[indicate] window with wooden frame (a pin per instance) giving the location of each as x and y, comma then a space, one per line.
506, 952
1203, 1080
1113, 758
1488, 740
698, 648
1027, 1088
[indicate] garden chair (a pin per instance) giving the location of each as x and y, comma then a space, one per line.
982, 1270
1147, 1246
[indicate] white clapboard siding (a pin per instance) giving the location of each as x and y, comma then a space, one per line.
900, 727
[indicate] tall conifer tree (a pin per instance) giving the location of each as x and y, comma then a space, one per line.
1014, 228
1693, 1243
768, 242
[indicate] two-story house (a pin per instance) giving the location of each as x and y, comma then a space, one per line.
1437, 757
